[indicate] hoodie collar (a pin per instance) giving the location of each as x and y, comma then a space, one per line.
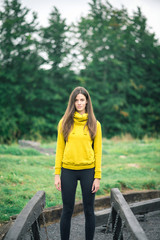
80, 118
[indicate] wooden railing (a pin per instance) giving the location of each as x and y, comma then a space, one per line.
27, 220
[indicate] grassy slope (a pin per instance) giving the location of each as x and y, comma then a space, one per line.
125, 164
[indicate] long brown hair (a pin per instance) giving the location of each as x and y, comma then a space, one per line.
68, 121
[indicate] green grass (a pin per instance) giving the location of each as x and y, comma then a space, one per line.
125, 164
16, 150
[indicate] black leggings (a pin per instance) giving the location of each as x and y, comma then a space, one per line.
69, 180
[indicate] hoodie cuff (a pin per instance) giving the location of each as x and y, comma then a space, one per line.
57, 171
97, 175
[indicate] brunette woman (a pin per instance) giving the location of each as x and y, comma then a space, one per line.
78, 157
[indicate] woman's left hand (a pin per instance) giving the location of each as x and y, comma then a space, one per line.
96, 185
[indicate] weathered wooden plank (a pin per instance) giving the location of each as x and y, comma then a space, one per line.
127, 215
137, 208
145, 206
27, 217
102, 217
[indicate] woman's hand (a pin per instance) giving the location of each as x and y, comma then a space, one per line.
57, 182
96, 185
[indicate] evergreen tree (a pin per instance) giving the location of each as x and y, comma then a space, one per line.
146, 84
18, 69
60, 80
114, 47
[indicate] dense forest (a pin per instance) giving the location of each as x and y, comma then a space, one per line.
109, 52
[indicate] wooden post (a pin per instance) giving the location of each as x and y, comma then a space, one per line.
127, 215
118, 225
35, 231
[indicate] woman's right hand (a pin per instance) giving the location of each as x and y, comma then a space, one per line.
57, 182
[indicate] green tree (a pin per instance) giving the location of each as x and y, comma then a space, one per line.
60, 79
117, 64
101, 36
18, 69
146, 83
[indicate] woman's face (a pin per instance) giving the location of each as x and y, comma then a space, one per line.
80, 103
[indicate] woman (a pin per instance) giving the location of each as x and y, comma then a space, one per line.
78, 157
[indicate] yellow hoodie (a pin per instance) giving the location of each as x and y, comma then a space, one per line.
77, 153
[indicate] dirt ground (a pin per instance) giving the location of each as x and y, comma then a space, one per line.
150, 223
